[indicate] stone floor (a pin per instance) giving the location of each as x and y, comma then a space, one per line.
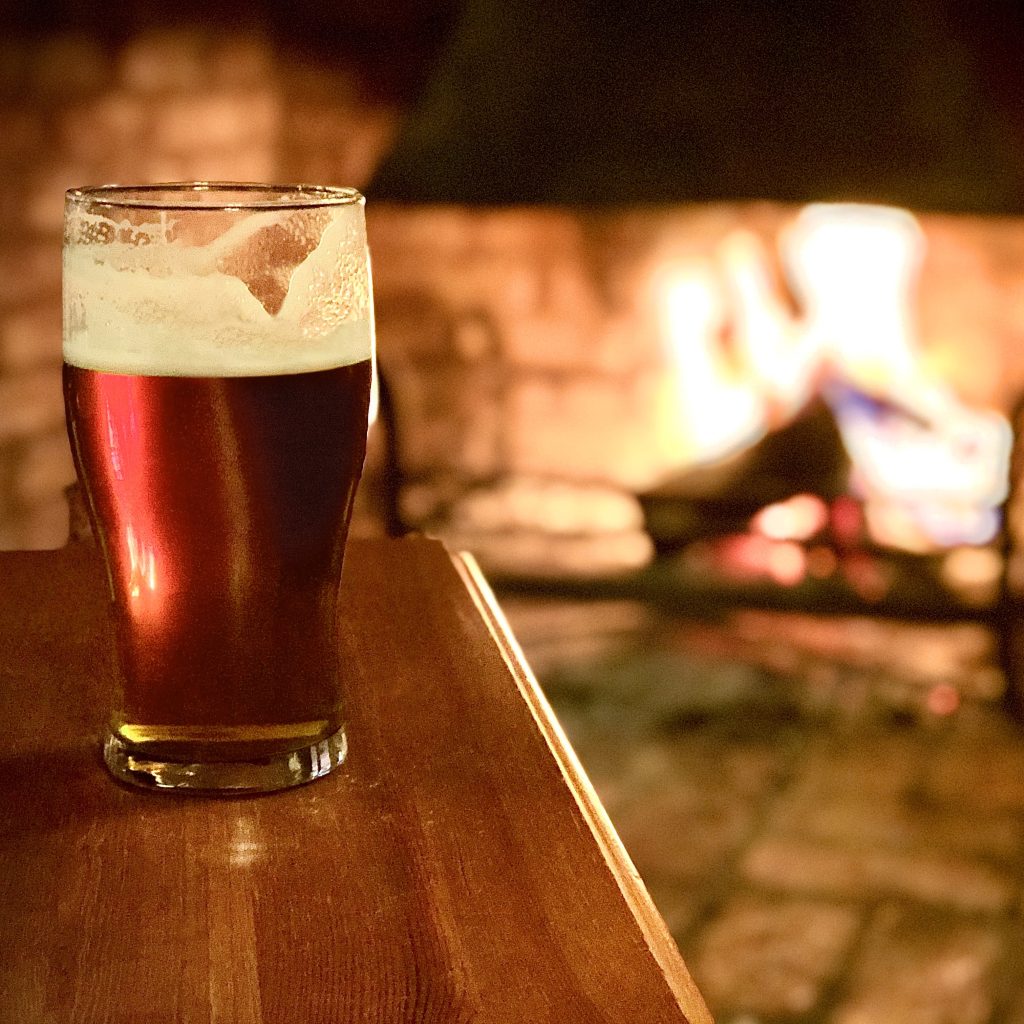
829, 813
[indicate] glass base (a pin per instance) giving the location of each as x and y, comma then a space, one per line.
278, 771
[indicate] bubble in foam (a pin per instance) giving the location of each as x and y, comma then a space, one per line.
276, 292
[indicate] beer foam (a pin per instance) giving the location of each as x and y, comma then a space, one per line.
172, 309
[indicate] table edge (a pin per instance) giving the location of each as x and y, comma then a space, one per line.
655, 933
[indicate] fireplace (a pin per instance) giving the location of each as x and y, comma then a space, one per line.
670, 395
556, 373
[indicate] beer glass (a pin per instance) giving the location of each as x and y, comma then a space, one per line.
218, 360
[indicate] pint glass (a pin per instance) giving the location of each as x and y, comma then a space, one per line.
218, 361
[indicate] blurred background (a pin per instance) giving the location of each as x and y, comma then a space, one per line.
702, 327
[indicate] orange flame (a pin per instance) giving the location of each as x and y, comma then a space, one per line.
930, 470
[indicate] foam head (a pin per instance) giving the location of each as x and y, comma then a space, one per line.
199, 280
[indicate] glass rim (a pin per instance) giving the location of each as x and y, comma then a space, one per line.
296, 196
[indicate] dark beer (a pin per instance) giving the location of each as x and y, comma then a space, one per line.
222, 505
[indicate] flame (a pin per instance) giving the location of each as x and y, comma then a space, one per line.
930, 471
854, 268
780, 356
711, 408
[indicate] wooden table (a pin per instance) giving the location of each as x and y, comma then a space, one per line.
458, 868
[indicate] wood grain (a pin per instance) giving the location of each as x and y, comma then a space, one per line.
458, 868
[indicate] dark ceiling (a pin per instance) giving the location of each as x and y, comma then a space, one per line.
918, 102
597, 101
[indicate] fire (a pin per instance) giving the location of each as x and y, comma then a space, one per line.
854, 268
712, 403
930, 471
